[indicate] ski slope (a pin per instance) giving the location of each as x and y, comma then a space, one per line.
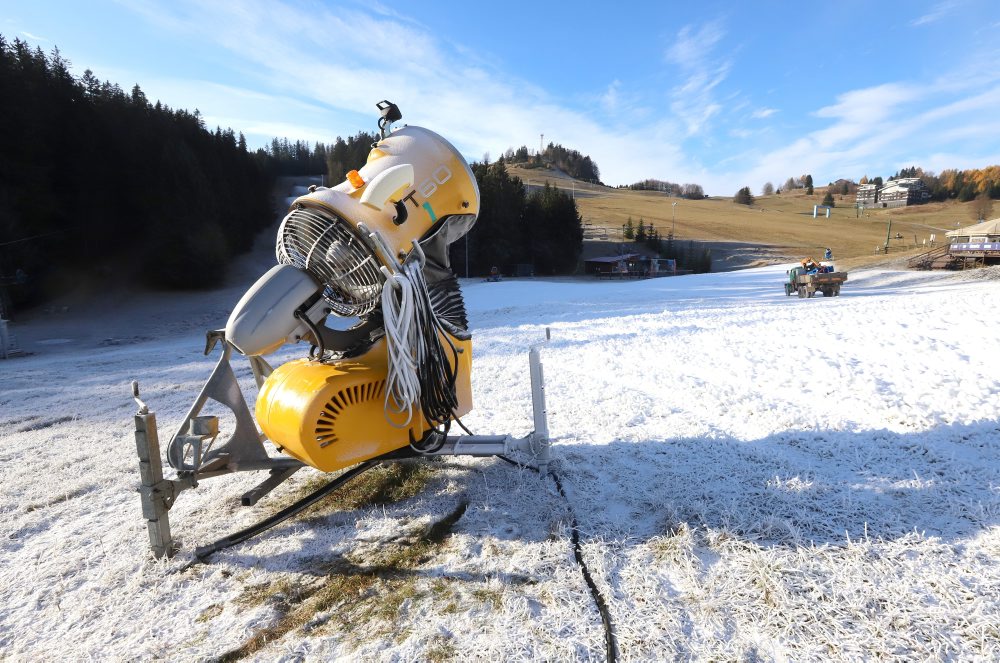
754, 476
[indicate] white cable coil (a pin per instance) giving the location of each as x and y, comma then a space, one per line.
404, 342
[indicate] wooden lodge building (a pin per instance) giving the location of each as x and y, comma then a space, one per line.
631, 266
896, 193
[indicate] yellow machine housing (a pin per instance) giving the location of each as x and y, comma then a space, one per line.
333, 415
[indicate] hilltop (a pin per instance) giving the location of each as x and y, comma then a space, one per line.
776, 228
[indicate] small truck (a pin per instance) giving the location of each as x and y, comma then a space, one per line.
812, 277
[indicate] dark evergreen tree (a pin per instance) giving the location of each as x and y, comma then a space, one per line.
98, 184
555, 235
497, 237
640, 233
743, 197
967, 192
653, 240
543, 229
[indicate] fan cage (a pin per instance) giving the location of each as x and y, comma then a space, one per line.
327, 247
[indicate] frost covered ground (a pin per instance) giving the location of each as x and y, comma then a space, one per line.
754, 475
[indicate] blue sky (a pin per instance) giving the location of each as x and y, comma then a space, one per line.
724, 94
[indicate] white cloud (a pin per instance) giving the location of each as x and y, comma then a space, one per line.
937, 12
881, 124
692, 48
610, 99
264, 131
870, 105
761, 113
33, 37
692, 51
938, 161
344, 61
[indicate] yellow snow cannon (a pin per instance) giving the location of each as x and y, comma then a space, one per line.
375, 248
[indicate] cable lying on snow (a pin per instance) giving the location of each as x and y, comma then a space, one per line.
610, 641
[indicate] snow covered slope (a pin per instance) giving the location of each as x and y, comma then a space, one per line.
753, 474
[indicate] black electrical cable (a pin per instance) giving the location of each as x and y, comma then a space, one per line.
523, 466
436, 375
461, 425
610, 641
300, 315
239, 537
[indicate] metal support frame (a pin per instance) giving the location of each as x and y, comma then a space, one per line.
541, 445
275, 478
8, 342
4, 339
191, 452
156, 493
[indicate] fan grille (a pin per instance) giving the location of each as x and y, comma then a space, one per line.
325, 246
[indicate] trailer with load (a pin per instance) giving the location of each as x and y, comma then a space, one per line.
812, 277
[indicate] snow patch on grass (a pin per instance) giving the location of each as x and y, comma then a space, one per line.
754, 476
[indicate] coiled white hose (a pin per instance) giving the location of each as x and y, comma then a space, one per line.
403, 343
422, 358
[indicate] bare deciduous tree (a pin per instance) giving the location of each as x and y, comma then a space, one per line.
982, 208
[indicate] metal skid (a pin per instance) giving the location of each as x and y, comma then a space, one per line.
195, 455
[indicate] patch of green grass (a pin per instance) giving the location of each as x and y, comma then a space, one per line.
359, 591
439, 649
209, 613
59, 499
385, 484
492, 596
280, 592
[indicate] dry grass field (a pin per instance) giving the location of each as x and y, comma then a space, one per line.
781, 224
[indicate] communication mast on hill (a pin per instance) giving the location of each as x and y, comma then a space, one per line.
541, 140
